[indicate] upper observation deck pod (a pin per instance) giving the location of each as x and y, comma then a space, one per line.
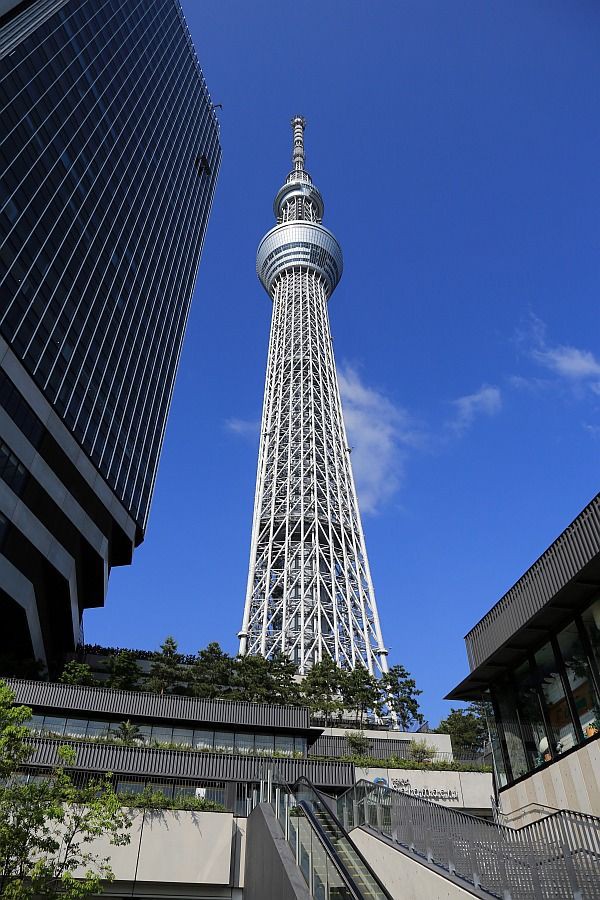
299, 238
293, 244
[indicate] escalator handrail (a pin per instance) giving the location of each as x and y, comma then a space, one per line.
322, 834
331, 850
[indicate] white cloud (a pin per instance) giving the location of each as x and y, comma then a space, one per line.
570, 362
244, 427
574, 365
379, 433
487, 401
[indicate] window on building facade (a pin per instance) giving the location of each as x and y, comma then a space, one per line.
562, 731
580, 677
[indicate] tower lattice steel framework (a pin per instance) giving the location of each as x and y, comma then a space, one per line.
309, 591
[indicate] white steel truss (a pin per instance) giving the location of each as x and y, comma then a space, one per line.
309, 590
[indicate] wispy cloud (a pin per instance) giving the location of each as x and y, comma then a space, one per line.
570, 362
573, 365
244, 427
380, 434
487, 401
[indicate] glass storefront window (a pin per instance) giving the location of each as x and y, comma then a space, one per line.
76, 728
497, 756
510, 730
36, 723
264, 743
581, 679
203, 739
284, 744
531, 717
162, 734
184, 736
224, 741
591, 624
145, 732
54, 725
97, 729
244, 743
562, 735
300, 745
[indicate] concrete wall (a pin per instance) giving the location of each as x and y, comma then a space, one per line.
572, 782
458, 790
271, 870
404, 877
441, 742
178, 847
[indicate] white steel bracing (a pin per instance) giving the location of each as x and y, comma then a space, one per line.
309, 591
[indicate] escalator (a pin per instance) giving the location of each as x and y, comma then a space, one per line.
331, 865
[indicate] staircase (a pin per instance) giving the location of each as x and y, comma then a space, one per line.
555, 857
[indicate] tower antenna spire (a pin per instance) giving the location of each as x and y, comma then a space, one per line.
298, 125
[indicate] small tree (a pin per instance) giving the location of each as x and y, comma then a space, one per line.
321, 688
360, 691
252, 679
286, 689
166, 672
46, 826
211, 673
128, 733
358, 742
399, 695
77, 673
421, 751
124, 673
466, 726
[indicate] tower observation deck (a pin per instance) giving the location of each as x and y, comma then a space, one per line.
309, 593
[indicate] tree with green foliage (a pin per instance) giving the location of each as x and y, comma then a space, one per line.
77, 673
46, 826
14, 748
466, 726
211, 673
360, 691
252, 680
358, 742
399, 694
284, 683
128, 733
322, 688
123, 671
166, 673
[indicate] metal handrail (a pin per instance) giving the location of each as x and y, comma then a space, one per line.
325, 840
342, 833
284, 799
557, 856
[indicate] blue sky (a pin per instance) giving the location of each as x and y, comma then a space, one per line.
456, 145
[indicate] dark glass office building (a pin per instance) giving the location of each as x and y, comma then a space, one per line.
109, 154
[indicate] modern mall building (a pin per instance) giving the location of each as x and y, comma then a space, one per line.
109, 154
535, 660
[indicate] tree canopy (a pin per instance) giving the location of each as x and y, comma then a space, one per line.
330, 692
46, 826
466, 726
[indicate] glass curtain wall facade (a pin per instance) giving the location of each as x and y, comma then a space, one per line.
109, 155
550, 703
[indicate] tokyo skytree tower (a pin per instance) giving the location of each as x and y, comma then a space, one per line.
309, 591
